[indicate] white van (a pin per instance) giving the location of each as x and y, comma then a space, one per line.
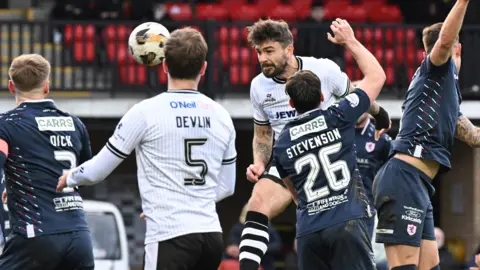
109, 238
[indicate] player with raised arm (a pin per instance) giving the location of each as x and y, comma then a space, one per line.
273, 42
186, 158
372, 153
315, 156
431, 120
38, 142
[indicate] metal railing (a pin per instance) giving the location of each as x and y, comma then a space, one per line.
93, 56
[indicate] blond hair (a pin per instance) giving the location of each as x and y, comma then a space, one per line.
29, 72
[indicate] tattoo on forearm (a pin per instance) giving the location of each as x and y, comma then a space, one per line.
467, 132
264, 151
263, 140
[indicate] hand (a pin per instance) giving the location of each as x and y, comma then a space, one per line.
254, 171
4, 197
233, 251
142, 216
379, 133
342, 31
477, 261
62, 182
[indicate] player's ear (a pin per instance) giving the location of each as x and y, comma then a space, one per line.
203, 69
321, 97
46, 87
165, 68
424, 54
290, 49
11, 87
291, 103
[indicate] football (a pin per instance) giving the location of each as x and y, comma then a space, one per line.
146, 43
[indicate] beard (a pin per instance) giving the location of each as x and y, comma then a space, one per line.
271, 70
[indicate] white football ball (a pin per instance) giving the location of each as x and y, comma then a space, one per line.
147, 42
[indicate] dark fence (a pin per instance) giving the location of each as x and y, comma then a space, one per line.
93, 56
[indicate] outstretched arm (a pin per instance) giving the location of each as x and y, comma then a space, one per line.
467, 132
442, 49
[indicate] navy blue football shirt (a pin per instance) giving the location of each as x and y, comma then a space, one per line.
317, 151
43, 142
371, 155
430, 113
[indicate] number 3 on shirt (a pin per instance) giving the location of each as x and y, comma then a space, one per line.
69, 156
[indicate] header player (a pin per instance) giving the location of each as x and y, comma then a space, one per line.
431, 119
186, 158
315, 156
273, 42
38, 142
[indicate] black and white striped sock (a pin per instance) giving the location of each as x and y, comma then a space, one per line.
254, 241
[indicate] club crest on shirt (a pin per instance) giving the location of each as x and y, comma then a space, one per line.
370, 146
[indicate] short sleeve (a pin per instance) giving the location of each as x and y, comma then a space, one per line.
259, 116
230, 155
385, 148
335, 78
350, 108
129, 133
432, 68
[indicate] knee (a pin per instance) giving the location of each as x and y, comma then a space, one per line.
265, 197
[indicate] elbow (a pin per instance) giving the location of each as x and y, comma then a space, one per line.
446, 43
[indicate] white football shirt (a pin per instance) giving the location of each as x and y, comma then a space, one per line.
270, 102
183, 142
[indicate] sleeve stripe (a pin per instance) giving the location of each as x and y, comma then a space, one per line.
347, 91
261, 123
115, 151
229, 161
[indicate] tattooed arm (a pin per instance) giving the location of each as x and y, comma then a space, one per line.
467, 132
262, 144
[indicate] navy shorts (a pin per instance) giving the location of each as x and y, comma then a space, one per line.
271, 173
402, 199
63, 251
343, 246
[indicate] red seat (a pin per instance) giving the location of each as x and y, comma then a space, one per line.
211, 11
180, 12
355, 13
232, 35
123, 32
133, 74
303, 8
384, 56
68, 35
390, 72
84, 51
349, 58
406, 36
90, 32
365, 35
78, 33
234, 55
162, 76
247, 12
420, 56
282, 11
241, 74
333, 10
385, 14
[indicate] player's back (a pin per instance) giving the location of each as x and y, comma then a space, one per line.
317, 151
43, 142
430, 113
179, 161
